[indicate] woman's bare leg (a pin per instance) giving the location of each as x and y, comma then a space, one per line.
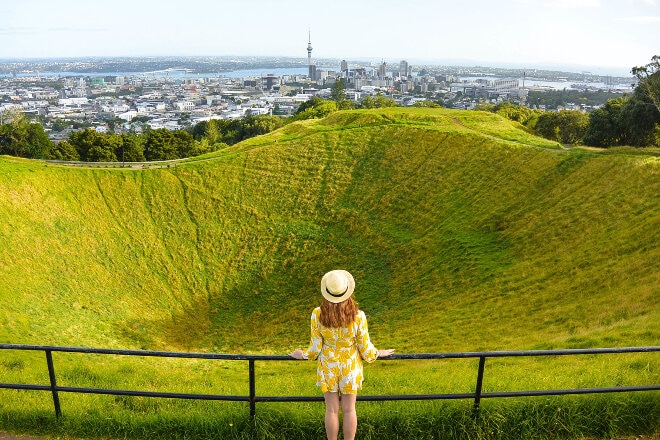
349, 424
331, 415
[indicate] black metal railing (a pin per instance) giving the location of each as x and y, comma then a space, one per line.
253, 398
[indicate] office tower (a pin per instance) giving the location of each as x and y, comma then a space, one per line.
403, 68
382, 70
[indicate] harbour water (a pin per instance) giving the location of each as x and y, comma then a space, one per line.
169, 73
181, 74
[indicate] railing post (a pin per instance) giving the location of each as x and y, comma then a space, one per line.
480, 381
53, 383
252, 389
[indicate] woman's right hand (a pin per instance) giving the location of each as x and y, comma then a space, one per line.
385, 353
297, 354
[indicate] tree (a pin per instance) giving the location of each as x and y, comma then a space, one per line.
198, 131
315, 108
485, 107
648, 77
252, 126
203, 147
573, 125
640, 119
641, 115
605, 125
566, 126
382, 101
160, 145
211, 133
314, 101
63, 151
184, 144
19, 137
37, 142
338, 93
106, 148
217, 133
548, 126
59, 125
132, 148
83, 141
379, 101
514, 112
101, 153
427, 104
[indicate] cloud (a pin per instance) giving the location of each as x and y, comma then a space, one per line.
74, 29
17, 30
641, 19
566, 4
33, 30
572, 4
635, 3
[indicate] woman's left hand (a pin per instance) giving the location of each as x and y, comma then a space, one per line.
297, 354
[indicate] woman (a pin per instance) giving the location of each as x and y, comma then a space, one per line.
340, 341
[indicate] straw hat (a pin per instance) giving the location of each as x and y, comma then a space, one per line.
337, 286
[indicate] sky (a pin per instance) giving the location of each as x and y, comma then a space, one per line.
599, 36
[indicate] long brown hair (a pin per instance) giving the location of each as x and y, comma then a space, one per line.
340, 314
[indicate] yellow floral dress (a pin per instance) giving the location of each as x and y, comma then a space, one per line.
340, 351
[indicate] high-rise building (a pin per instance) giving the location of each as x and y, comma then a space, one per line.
311, 67
382, 70
403, 68
271, 80
81, 90
344, 66
309, 49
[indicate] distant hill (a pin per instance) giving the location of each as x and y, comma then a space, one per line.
463, 232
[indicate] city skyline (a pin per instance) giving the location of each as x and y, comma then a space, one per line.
602, 36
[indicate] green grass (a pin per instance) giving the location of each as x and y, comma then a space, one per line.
542, 418
463, 231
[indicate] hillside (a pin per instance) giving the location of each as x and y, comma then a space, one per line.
463, 233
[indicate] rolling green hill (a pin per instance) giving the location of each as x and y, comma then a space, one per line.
463, 232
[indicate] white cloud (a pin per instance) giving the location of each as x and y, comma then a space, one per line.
566, 4
17, 30
635, 3
641, 19
572, 4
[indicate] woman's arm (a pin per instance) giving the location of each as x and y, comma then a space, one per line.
367, 350
316, 340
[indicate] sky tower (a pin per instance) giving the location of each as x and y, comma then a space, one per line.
309, 49
311, 67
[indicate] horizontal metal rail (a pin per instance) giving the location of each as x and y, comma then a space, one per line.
252, 398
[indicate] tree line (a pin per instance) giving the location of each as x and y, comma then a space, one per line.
628, 120
22, 138
632, 120
559, 98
